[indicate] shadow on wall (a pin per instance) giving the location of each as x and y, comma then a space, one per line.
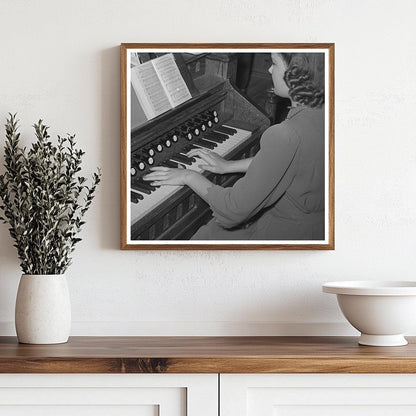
109, 96
9, 279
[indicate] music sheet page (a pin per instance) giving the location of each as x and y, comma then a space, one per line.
172, 80
149, 90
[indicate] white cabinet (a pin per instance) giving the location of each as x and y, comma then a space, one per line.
109, 394
317, 394
197, 394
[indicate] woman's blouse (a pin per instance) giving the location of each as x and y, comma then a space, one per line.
281, 196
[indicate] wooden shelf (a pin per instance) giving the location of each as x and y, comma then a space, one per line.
206, 355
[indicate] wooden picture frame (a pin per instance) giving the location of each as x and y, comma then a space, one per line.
207, 83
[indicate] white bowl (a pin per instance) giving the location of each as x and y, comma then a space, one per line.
381, 311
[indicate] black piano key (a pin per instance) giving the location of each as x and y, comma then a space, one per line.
205, 146
135, 197
147, 183
186, 149
145, 186
212, 138
142, 186
169, 164
205, 143
183, 153
219, 135
183, 159
227, 130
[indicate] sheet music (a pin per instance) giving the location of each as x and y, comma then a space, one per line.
149, 90
172, 81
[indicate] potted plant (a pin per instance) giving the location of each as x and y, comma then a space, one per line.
43, 198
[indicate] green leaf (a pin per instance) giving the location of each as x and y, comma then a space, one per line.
44, 198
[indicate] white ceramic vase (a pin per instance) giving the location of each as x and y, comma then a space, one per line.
43, 309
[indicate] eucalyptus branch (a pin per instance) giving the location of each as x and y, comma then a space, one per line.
44, 199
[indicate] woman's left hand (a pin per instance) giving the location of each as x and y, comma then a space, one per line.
166, 176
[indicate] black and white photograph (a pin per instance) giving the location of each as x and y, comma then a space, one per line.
227, 146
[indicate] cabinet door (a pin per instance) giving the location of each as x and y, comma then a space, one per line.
108, 395
318, 394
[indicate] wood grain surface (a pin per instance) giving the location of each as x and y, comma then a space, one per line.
206, 355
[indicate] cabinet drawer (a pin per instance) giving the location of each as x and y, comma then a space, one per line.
108, 395
318, 394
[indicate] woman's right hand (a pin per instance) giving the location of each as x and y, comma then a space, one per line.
213, 161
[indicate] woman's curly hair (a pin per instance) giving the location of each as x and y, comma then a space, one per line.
305, 77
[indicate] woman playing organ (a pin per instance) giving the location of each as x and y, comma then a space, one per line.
281, 195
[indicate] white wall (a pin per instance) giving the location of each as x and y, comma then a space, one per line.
60, 62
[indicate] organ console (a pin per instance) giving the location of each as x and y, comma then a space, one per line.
217, 117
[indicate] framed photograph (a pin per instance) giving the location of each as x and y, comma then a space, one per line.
227, 146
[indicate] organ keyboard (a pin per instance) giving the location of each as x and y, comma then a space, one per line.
219, 119
145, 202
